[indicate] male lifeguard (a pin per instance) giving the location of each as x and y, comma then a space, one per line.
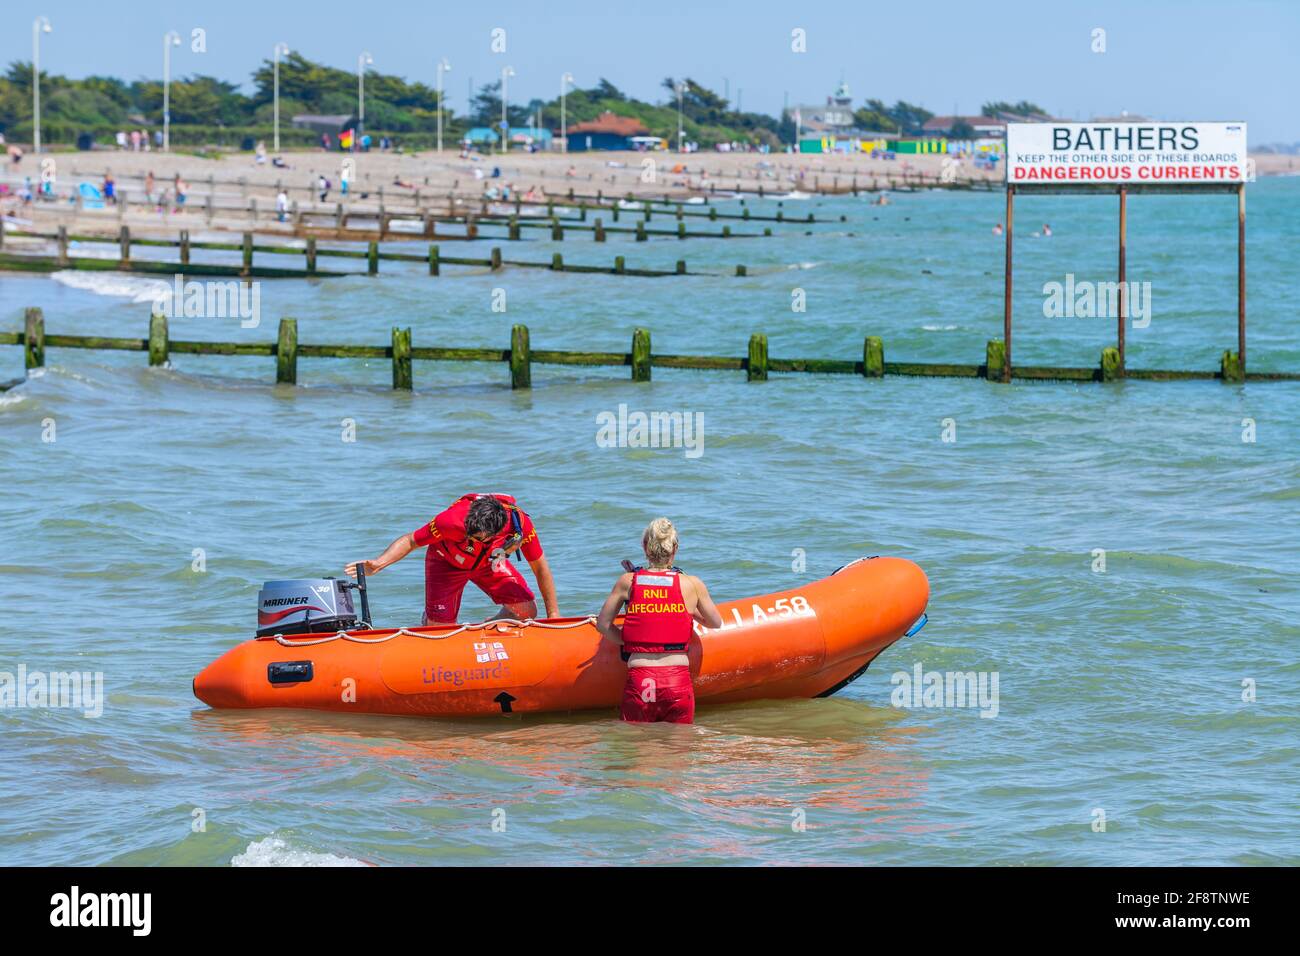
472, 541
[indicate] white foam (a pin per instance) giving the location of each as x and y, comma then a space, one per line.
272, 851
938, 328
115, 284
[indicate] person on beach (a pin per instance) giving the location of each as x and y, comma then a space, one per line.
472, 540
148, 186
997, 229
662, 602
110, 189
323, 185
282, 205
182, 188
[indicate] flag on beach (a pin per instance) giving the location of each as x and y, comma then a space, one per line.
345, 139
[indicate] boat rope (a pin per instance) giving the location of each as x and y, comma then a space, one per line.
501, 625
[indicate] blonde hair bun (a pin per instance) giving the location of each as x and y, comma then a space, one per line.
659, 541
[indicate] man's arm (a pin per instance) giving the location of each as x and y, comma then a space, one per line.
545, 584
613, 604
392, 554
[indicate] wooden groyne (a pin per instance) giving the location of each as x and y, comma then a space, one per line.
411, 203
520, 356
433, 259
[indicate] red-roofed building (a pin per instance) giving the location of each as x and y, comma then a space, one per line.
607, 131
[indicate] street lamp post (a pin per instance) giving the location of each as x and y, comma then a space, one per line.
443, 67
39, 25
565, 80
505, 120
170, 39
363, 60
281, 49
681, 90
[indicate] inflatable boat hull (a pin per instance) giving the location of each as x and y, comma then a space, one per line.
806, 642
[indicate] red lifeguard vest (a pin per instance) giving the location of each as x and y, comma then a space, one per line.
656, 620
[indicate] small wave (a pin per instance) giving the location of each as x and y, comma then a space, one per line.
273, 851
115, 284
938, 328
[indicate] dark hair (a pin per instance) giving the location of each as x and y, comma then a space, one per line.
486, 516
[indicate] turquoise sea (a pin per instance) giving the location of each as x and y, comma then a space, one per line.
1148, 713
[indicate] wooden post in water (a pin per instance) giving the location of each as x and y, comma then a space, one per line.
599, 232
557, 262
185, 247
33, 339
1123, 277
434, 265
248, 255
311, 255
63, 244
681, 267
513, 230
681, 230
619, 266
286, 353
521, 358
873, 356
1006, 290
640, 231
496, 258
372, 258
756, 366
124, 244
402, 358
1112, 365
158, 339
741, 271
1241, 277
995, 361
557, 231
640, 355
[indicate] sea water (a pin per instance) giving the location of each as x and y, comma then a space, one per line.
1117, 563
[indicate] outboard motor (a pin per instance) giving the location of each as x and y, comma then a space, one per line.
311, 606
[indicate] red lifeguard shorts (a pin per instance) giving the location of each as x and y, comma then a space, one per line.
444, 585
658, 693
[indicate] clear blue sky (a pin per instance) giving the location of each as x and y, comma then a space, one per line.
1175, 59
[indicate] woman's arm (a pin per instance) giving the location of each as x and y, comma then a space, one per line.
613, 604
706, 612
392, 554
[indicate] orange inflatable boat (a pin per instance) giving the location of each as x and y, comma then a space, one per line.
809, 641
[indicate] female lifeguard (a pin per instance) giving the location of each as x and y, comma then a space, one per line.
662, 602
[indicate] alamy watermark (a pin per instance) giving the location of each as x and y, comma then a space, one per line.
636, 429
922, 689
53, 690
192, 299
1084, 299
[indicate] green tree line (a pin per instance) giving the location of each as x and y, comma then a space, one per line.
102, 104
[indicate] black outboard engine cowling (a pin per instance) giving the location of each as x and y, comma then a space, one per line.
305, 606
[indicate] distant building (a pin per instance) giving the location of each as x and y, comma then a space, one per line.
482, 136
984, 127
607, 131
325, 123
525, 136
833, 119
